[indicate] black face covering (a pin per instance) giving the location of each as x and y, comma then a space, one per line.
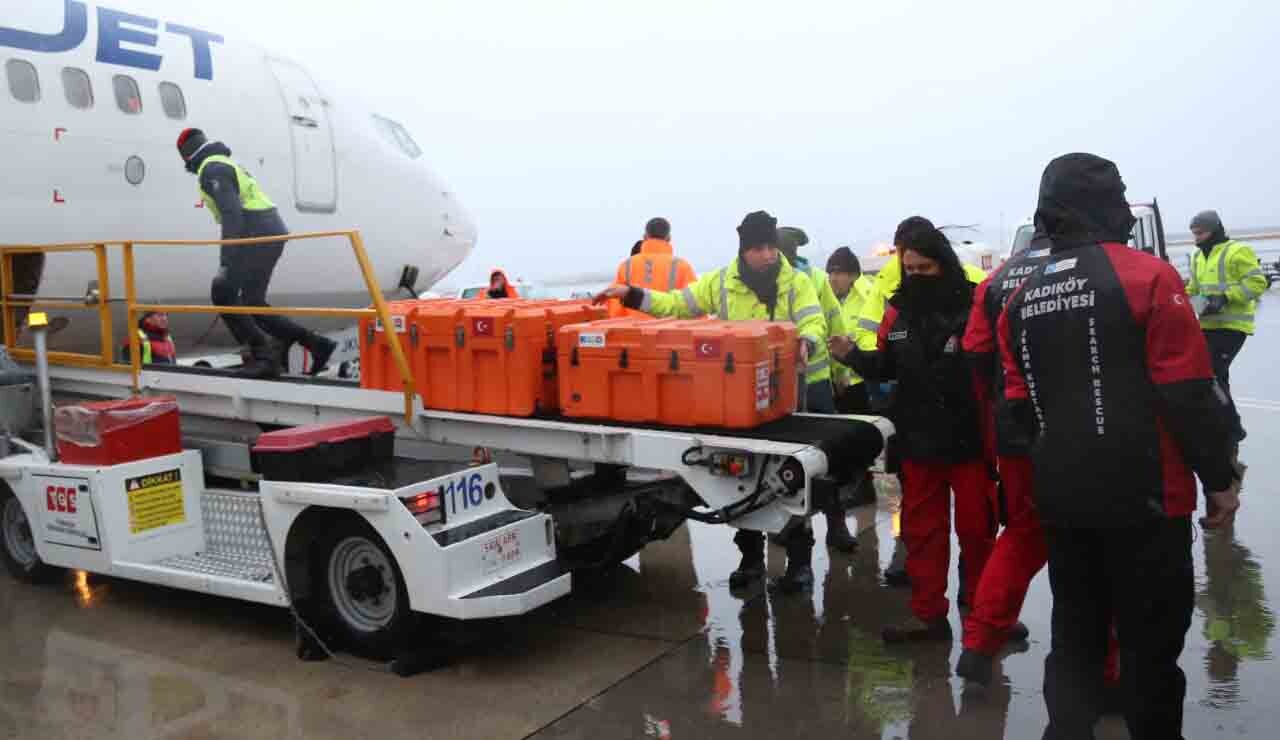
924, 294
921, 291
764, 283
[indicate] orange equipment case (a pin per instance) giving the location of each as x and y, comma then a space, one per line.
377, 367
493, 356
683, 373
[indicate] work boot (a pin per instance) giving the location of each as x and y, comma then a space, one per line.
915, 630
321, 349
838, 535
259, 363
751, 567
976, 667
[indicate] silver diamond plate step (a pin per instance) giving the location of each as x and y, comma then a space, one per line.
236, 544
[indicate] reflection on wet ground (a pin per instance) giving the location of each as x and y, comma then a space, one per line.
658, 648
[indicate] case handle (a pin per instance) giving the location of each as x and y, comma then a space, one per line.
675, 360
623, 359
728, 363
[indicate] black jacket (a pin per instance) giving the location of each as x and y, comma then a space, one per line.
1104, 354
935, 408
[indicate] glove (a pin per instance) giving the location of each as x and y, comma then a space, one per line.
1214, 304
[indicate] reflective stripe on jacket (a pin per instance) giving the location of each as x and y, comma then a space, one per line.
722, 294
655, 268
1231, 269
850, 307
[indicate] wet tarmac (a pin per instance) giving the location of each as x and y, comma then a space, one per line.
660, 649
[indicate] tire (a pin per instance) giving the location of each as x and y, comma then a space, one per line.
361, 594
17, 546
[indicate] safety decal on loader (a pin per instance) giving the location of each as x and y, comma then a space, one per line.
155, 501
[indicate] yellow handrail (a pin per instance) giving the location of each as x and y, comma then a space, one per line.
133, 307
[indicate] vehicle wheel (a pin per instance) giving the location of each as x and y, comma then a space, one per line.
17, 545
361, 590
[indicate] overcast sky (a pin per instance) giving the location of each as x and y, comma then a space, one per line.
565, 124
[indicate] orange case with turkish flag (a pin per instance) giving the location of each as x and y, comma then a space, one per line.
493, 357
683, 373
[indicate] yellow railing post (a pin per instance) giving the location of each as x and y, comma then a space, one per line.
130, 302
104, 303
384, 315
6, 288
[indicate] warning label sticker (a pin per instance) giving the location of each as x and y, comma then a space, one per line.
396, 320
764, 386
155, 501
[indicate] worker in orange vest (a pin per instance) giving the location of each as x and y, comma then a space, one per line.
655, 267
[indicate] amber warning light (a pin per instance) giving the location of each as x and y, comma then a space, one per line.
426, 507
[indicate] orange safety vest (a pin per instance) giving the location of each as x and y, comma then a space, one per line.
655, 268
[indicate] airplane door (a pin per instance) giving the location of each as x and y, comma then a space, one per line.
315, 176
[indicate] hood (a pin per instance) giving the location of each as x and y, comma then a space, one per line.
508, 291
1082, 202
208, 150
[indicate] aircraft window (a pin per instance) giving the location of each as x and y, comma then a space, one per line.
24, 83
127, 95
175, 106
75, 82
397, 134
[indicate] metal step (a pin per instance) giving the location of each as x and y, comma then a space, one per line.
236, 545
221, 564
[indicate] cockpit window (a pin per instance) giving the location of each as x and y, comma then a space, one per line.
398, 135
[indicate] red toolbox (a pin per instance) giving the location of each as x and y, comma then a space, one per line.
113, 432
319, 452
493, 357
685, 373
378, 369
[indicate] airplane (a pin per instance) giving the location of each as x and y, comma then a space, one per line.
93, 99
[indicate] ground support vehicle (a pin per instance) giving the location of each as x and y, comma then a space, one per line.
426, 533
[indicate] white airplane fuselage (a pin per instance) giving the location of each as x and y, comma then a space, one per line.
109, 170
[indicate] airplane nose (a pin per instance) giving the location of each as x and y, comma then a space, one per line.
455, 239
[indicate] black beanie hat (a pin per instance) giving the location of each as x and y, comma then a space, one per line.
757, 228
189, 142
844, 260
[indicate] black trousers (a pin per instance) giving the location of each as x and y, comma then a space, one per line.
1143, 577
243, 281
797, 537
1224, 345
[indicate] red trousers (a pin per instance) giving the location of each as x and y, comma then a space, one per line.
1020, 552
926, 528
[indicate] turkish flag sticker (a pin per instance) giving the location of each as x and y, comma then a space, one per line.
706, 349
482, 327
